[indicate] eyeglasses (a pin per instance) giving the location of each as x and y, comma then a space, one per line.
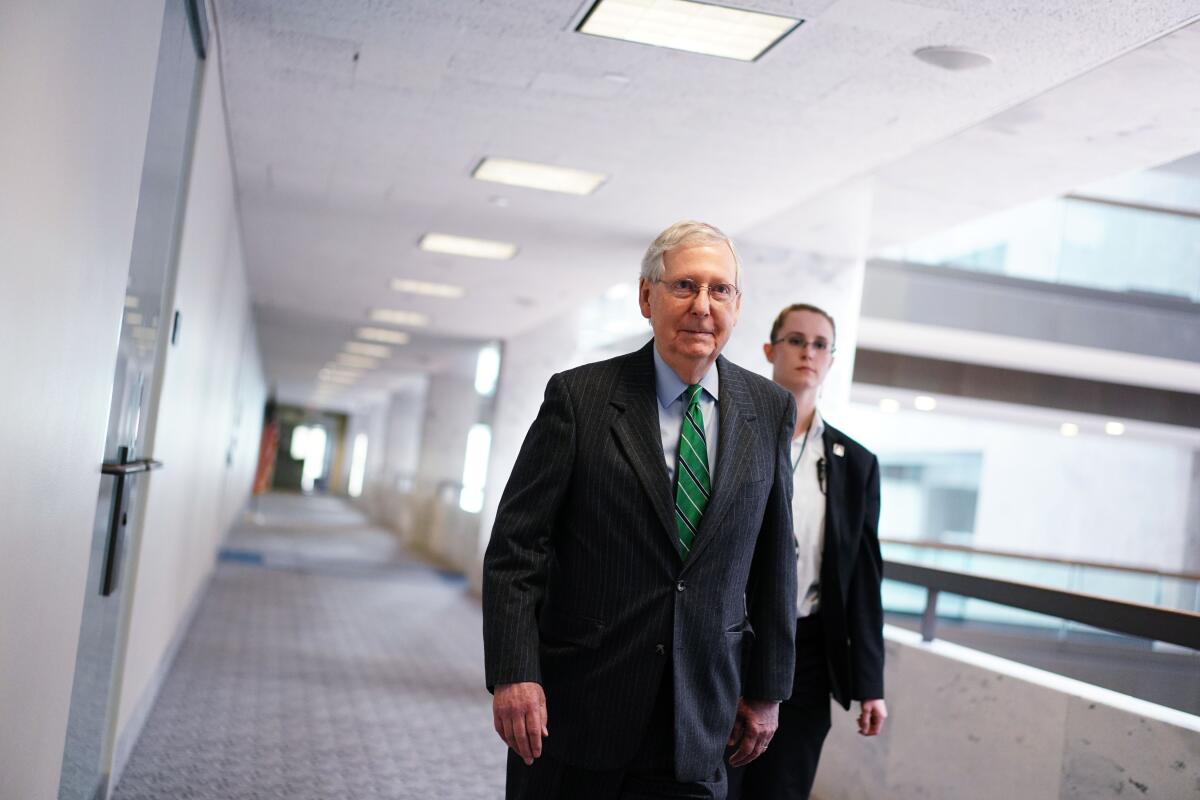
686, 289
799, 342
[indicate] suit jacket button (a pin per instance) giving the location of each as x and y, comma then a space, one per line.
679, 587
658, 648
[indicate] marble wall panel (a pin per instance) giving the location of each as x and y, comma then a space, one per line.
1112, 752
964, 724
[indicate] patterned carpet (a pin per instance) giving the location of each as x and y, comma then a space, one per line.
322, 664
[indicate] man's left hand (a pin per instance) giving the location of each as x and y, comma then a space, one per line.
752, 730
870, 719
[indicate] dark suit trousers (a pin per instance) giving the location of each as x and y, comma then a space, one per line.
650, 776
787, 770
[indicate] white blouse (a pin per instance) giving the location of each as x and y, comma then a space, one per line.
808, 515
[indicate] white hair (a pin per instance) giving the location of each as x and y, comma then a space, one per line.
686, 233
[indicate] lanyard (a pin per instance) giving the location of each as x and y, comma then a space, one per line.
803, 447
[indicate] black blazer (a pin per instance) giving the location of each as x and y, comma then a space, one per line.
584, 590
851, 571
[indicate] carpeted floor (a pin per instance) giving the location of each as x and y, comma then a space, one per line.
323, 663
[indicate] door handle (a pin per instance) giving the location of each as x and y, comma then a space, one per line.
130, 467
121, 469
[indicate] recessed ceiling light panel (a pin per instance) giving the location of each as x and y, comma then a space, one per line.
334, 366
538, 176
395, 316
372, 350
466, 246
427, 288
361, 362
382, 335
703, 28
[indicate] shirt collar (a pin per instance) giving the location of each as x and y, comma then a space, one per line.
668, 386
816, 431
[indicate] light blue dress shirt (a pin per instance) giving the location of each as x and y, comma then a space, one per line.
670, 388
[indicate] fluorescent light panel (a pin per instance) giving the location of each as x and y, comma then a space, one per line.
336, 372
382, 335
333, 366
397, 317
684, 25
428, 288
532, 175
372, 350
466, 246
351, 360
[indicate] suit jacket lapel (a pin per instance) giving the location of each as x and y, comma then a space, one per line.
733, 455
637, 430
835, 529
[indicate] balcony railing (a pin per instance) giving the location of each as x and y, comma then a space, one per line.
1025, 589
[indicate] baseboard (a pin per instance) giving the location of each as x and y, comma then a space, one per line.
129, 736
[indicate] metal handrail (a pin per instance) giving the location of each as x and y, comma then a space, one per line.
960, 548
1135, 619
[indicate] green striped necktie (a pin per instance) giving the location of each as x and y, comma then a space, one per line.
693, 485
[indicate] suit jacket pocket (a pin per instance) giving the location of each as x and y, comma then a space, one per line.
740, 638
569, 629
740, 628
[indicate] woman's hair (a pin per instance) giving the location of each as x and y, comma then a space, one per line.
782, 317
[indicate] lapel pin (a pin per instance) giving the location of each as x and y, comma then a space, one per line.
839, 450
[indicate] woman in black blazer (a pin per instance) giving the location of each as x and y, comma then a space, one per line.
839, 629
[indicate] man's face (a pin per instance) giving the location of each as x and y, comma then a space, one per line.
692, 329
802, 352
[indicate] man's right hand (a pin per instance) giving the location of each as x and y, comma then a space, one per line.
519, 714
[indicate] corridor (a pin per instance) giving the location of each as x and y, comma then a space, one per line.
324, 662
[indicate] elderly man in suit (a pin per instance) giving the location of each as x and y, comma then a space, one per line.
639, 586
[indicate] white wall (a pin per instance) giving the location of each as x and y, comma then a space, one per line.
452, 406
826, 271
371, 421
405, 421
526, 365
75, 81
209, 420
389, 490
1092, 497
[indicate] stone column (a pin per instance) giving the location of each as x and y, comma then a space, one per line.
809, 254
1191, 524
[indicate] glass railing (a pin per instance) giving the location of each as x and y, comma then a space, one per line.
1172, 590
1078, 241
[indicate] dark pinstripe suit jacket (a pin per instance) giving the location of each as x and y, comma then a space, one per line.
584, 590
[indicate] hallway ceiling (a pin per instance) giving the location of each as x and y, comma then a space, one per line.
355, 126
